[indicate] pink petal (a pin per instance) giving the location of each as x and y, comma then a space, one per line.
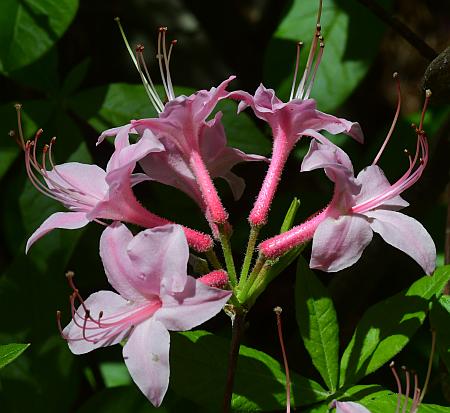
338, 168
339, 243
349, 407
373, 183
170, 168
191, 307
146, 355
87, 179
336, 125
64, 220
325, 155
406, 234
126, 154
160, 256
95, 336
119, 269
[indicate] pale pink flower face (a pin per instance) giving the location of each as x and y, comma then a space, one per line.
154, 295
89, 192
363, 205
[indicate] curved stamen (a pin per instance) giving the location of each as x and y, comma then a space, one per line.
316, 67
297, 61
133, 58
405, 403
394, 122
399, 385
171, 94
148, 83
160, 56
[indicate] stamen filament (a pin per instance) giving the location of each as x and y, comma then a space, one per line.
297, 61
316, 67
278, 311
160, 56
405, 403
430, 365
399, 385
394, 122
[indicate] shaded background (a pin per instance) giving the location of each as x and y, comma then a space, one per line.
76, 79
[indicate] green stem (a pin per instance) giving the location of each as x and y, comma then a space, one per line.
228, 255
212, 258
238, 327
252, 238
259, 283
242, 294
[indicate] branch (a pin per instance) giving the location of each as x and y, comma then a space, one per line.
402, 29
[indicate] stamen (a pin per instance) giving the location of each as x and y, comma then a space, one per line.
162, 55
149, 86
172, 44
394, 122
312, 50
430, 365
297, 61
416, 393
278, 311
58, 321
171, 94
399, 386
405, 403
316, 67
424, 109
157, 105
18, 107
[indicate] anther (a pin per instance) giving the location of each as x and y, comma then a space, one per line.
139, 48
174, 42
395, 75
162, 29
117, 19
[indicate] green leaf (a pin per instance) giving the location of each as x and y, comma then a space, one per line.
289, 219
241, 131
198, 371
29, 28
379, 337
115, 374
317, 321
386, 401
75, 77
440, 320
116, 104
347, 54
9, 352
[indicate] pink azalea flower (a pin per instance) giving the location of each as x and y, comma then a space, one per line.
348, 407
360, 206
196, 149
289, 122
92, 194
154, 295
181, 127
172, 168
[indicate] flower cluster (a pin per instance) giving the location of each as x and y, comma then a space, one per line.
185, 146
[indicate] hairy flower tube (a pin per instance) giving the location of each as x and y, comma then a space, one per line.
154, 295
290, 121
360, 206
93, 194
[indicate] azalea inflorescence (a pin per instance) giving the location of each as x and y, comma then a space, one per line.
185, 146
